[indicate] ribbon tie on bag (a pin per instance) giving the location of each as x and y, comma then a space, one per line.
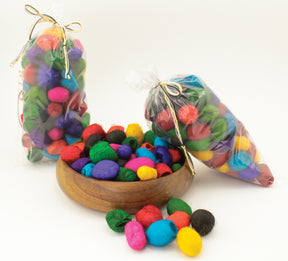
49, 19
169, 95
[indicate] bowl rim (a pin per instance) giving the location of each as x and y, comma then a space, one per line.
104, 181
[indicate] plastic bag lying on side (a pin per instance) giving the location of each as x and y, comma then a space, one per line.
54, 107
208, 129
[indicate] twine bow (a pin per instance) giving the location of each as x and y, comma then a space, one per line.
169, 95
44, 18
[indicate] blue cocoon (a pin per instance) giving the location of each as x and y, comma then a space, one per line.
145, 153
160, 141
161, 232
87, 169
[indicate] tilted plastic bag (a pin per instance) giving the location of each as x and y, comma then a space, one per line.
54, 108
208, 129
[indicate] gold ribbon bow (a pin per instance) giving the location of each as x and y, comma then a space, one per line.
169, 95
49, 19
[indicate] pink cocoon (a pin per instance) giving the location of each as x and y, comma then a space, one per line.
58, 94
115, 146
55, 134
135, 235
133, 156
135, 164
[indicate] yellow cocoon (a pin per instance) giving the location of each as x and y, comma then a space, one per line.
135, 130
146, 173
204, 155
257, 156
241, 143
224, 168
56, 31
189, 241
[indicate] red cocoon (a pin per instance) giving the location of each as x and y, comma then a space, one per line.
56, 147
175, 154
188, 114
219, 158
180, 218
93, 129
162, 169
80, 145
116, 127
148, 215
265, 177
30, 74
70, 153
54, 109
198, 131
148, 146
74, 102
83, 109
165, 120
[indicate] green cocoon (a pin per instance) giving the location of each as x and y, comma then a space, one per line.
198, 145
208, 113
24, 62
31, 110
218, 129
177, 204
149, 137
102, 151
126, 174
55, 59
24, 96
81, 82
77, 67
158, 132
85, 120
117, 219
35, 154
132, 142
31, 124
172, 133
176, 166
69, 44
38, 95
197, 96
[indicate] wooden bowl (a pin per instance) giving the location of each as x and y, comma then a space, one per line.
105, 195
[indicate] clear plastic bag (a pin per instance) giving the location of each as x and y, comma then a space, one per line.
54, 101
208, 129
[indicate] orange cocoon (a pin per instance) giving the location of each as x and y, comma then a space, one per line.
180, 218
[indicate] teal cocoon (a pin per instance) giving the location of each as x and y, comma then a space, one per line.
143, 152
161, 232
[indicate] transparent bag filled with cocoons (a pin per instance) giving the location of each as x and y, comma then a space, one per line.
54, 107
208, 129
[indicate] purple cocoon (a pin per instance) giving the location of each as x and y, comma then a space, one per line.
75, 129
105, 169
163, 155
124, 151
40, 139
75, 54
79, 164
35, 55
47, 77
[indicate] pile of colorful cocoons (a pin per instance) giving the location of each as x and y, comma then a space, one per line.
209, 130
54, 110
122, 155
150, 226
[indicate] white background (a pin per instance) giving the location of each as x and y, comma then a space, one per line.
239, 48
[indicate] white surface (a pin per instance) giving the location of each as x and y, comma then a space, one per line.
240, 48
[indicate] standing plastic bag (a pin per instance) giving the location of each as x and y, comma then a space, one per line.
206, 127
54, 108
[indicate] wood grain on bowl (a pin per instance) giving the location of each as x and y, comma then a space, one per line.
105, 195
